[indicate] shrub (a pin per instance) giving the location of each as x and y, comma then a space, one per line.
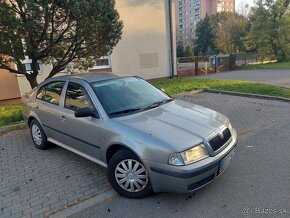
10, 114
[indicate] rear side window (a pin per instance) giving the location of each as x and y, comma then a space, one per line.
51, 92
76, 97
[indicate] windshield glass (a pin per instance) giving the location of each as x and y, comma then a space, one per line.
127, 95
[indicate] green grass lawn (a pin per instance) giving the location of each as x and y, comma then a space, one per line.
10, 114
274, 65
178, 85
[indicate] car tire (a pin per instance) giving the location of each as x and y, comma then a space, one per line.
38, 136
128, 176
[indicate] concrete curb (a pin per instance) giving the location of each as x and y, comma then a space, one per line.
247, 95
188, 93
13, 127
215, 91
85, 204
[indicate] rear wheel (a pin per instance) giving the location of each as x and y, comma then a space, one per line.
38, 136
128, 176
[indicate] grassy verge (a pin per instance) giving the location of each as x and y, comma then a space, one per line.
178, 85
10, 114
269, 66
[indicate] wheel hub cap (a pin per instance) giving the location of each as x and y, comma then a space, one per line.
36, 134
131, 175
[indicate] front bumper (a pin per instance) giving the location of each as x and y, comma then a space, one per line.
184, 179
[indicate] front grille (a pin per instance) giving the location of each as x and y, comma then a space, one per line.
217, 142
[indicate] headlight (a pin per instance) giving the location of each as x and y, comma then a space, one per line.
189, 156
229, 125
176, 159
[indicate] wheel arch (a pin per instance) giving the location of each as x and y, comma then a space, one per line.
33, 117
30, 120
114, 148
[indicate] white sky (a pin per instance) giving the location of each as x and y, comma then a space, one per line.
249, 2
241, 3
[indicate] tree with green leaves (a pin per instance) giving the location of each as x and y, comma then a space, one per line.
230, 30
270, 30
180, 50
56, 31
188, 51
205, 38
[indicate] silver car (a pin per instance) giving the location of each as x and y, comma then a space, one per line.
146, 140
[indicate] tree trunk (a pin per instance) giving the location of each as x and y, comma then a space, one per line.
32, 80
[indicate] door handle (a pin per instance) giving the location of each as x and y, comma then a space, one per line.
62, 118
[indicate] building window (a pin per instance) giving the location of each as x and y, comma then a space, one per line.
26, 64
103, 63
28, 69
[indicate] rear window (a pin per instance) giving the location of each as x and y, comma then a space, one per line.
51, 92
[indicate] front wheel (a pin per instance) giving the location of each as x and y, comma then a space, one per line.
128, 176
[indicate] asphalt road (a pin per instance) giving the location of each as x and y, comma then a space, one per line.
256, 184
275, 77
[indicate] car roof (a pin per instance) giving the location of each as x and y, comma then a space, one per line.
92, 77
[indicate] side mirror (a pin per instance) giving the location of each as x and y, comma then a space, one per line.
85, 112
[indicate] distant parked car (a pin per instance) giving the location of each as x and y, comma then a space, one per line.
147, 140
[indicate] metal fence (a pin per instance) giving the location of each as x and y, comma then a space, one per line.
189, 66
246, 58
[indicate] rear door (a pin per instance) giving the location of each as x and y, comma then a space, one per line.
48, 106
81, 134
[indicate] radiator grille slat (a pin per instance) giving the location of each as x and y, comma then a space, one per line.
217, 142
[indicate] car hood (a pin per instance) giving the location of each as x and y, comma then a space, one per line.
178, 123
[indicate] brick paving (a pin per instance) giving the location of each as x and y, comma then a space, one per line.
256, 180
37, 183
247, 114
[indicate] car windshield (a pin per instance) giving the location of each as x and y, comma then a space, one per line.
123, 96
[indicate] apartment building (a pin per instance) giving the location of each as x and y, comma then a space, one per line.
190, 12
147, 47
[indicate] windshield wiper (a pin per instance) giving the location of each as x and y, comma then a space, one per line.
157, 104
153, 105
126, 111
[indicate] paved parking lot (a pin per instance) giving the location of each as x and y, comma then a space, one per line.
41, 183
256, 184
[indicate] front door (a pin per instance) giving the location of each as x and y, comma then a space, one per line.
79, 133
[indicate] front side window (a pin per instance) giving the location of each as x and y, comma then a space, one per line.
76, 97
51, 92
